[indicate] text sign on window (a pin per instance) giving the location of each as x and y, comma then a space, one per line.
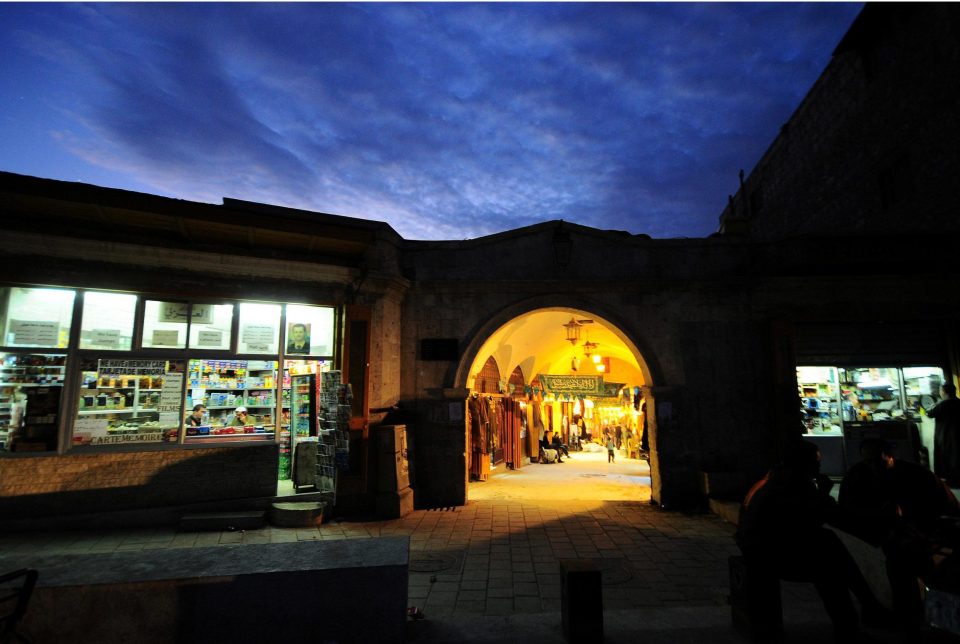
178, 311
92, 426
258, 337
209, 338
105, 338
29, 332
131, 367
170, 338
170, 392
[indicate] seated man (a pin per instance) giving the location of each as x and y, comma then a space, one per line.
781, 531
560, 447
897, 506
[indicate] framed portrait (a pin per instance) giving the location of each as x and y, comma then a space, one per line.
298, 338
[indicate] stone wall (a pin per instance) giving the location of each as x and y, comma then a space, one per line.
883, 111
78, 483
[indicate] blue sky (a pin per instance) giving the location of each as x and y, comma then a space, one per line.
448, 121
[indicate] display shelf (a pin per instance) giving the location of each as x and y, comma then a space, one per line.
88, 412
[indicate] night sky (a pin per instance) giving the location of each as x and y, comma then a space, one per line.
448, 121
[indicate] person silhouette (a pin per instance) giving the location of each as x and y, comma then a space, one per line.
781, 532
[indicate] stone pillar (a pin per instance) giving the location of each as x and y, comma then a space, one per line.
439, 447
673, 454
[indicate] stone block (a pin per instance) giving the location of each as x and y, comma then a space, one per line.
309, 591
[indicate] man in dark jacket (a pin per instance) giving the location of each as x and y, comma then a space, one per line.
946, 438
781, 531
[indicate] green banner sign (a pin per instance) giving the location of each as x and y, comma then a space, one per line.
572, 385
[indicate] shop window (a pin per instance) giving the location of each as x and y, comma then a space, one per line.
259, 328
123, 402
309, 330
30, 391
210, 326
36, 317
870, 394
107, 321
239, 399
165, 324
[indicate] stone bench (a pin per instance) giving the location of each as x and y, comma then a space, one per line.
352, 590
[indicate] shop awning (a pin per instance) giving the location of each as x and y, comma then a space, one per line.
579, 386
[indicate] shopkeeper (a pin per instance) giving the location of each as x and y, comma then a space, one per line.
196, 417
239, 417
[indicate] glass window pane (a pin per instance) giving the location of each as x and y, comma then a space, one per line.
30, 389
309, 330
870, 394
36, 317
819, 399
165, 325
210, 326
259, 328
107, 320
237, 399
123, 402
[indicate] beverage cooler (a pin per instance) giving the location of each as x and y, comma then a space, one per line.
303, 429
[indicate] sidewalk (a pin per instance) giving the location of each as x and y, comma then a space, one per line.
489, 571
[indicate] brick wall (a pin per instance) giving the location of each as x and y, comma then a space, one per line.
104, 482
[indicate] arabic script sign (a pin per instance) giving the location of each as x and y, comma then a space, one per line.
573, 385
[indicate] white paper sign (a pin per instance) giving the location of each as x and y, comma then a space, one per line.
258, 334
30, 332
109, 338
169, 419
209, 338
170, 393
92, 426
258, 348
168, 338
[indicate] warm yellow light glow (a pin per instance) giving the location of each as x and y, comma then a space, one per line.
596, 358
601, 368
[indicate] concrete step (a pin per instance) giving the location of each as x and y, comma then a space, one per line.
219, 521
297, 514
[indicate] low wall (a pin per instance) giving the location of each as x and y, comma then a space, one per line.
39, 486
310, 591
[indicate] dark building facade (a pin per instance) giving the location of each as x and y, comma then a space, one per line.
838, 253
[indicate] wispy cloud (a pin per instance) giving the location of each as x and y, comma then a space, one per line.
446, 120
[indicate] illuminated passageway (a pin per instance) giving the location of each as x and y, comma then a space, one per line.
586, 476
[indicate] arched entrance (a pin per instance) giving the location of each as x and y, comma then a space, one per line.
556, 371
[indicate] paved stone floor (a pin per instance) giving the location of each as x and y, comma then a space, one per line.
490, 570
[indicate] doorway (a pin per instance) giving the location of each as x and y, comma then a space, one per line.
574, 374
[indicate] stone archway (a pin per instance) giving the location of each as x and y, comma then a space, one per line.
530, 337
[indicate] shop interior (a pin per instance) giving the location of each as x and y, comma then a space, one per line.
553, 372
839, 406
138, 385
